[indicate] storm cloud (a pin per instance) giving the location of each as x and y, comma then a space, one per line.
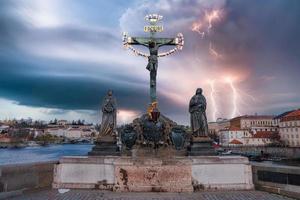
65, 55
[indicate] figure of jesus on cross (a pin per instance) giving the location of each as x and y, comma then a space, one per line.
153, 44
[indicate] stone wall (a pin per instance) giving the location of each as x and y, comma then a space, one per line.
288, 152
284, 180
17, 178
145, 174
221, 173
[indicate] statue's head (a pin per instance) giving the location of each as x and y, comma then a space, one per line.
109, 92
152, 44
199, 91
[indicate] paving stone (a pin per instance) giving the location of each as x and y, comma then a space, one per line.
105, 195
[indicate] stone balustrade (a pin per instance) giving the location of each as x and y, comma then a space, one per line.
18, 178
284, 180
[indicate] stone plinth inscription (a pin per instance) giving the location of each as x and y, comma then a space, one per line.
153, 178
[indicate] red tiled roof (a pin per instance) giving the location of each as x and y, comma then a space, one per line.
293, 116
264, 134
235, 141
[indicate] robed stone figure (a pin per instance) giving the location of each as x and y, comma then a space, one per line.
109, 116
197, 108
106, 143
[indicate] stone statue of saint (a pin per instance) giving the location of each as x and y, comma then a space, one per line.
109, 115
197, 108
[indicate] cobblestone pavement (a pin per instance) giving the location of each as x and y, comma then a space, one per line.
95, 195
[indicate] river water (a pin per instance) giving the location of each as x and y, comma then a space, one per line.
42, 153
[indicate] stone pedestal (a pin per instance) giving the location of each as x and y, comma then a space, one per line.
105, 147
153, 175
177, 174
201, 146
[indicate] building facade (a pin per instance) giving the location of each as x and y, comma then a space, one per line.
72, 132
215, 127
254, 130
289, 129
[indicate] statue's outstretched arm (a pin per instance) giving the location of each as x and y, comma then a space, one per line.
165, 41
139, 41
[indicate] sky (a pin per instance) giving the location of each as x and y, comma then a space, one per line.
58, 58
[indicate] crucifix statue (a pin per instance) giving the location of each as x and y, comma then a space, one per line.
153, 44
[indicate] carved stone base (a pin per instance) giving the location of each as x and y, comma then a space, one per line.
105, 147
144, 174
201, 146
153, 175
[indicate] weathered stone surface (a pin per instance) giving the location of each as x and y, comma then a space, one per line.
153, 175
145, 174
278, 179
84, 172
225, 173
16, 178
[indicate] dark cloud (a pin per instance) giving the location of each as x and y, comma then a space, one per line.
69, 93
257, 37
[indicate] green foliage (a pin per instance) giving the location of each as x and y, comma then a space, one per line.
47, 138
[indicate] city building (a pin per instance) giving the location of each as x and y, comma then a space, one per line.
250, 130
289, 128
255, 122
3, 128
62, 122
215, 127
71, 131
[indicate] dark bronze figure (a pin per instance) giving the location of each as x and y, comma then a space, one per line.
197, 108
153, 45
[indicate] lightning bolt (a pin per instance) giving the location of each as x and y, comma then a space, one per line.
235, 96
196, 27
203, 27
213, 52
213, 100
211, 17
206, 22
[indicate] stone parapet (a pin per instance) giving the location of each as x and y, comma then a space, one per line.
177, 174
17, 178
283, 180
221, 173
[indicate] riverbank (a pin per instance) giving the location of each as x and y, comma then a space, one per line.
4, 145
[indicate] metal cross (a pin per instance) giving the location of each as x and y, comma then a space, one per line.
153, 44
